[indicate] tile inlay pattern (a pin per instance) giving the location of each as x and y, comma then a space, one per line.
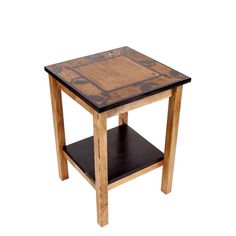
110, 79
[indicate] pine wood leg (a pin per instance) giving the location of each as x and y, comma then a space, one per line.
171, 139
58, 127
123, 118
101, 175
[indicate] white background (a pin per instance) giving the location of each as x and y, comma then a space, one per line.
195, 37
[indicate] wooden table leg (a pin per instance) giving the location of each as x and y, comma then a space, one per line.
123, 118
101, 170
171, 139
58, 127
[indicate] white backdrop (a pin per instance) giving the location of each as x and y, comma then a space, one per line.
196, 38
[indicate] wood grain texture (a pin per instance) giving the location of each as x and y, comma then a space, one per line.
171, 139
101, 170
113, 78
58, 121
76, 98
123, 118
134, 175
115, 73
138, 103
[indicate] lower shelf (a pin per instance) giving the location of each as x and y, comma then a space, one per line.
128, 152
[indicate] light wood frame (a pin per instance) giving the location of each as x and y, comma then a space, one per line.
100, 142
58, 122
171, 139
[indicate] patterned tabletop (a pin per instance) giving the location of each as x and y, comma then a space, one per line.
110, 79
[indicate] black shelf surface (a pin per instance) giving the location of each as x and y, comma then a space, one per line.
128, 152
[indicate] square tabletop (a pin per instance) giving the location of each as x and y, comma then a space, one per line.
113, 78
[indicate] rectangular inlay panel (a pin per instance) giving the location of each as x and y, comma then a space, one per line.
115, 73
113, 78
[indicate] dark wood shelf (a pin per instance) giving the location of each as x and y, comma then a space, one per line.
128, 152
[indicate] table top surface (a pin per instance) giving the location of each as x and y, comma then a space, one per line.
113, 78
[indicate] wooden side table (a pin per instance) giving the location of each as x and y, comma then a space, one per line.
108, 84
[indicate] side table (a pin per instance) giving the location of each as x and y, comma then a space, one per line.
108, 84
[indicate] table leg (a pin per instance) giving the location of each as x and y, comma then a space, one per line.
101, 170
171, 139
58, 121
123, 118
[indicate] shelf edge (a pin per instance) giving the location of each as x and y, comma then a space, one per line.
134, 175
120, 181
